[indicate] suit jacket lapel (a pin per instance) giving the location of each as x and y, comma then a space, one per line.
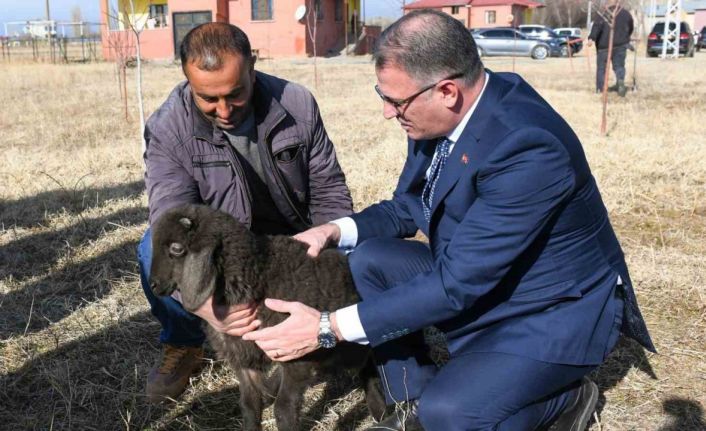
418, 162
462, 155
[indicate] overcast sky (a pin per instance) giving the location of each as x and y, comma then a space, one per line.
16, 10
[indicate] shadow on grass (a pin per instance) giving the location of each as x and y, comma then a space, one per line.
626, 355
684, 415
221, 410
33, 255
55, 296
94, 382
34, 210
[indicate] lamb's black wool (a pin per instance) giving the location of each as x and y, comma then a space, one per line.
201, 252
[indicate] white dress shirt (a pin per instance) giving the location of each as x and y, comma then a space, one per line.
347, 318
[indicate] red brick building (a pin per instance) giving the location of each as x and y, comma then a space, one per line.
276, 28
482, 13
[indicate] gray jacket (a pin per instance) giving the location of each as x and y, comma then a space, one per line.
189, 160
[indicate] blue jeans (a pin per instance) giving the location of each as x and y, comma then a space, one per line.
179, 327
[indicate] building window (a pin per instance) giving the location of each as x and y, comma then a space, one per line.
157, 16
455, 10
319, 9
490, 17
261, 10
338, 11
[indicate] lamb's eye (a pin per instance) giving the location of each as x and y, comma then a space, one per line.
176, 249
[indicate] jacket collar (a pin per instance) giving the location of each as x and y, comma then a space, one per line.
465, 152
484, 110
267, 110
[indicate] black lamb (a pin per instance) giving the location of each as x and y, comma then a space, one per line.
201, 252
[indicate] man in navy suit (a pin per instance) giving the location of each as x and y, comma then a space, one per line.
522, 272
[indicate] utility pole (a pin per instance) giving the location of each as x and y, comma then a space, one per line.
670, 39
588, 16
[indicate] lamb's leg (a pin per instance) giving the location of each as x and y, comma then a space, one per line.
374, 397
250, 398
271, 387
295, 380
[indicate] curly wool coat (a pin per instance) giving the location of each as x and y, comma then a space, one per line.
202, 252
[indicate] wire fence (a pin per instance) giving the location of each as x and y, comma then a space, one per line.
81, 49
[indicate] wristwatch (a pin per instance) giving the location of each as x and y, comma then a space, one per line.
327, 338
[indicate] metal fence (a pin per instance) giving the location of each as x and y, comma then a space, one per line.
81, 49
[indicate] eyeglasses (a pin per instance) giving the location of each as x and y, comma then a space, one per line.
401, 104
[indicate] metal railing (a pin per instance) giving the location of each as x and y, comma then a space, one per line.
51, 50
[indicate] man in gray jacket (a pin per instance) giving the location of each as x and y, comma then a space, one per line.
243, 142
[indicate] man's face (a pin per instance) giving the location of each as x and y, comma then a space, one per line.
423, 116
224, 95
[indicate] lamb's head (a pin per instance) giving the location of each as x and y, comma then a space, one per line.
187, 253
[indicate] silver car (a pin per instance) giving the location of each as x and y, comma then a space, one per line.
508, 41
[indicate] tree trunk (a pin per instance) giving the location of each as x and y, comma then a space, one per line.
137, 30
604, 118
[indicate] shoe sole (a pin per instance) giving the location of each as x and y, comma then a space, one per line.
582, 420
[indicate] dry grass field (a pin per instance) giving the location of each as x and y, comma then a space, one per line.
76, 337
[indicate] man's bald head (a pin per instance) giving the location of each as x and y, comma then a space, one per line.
207, 45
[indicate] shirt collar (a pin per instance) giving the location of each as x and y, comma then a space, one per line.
453, 137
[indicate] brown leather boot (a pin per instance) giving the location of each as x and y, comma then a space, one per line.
170, 375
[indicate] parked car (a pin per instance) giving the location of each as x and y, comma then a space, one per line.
509, 41
702, 39
542, 32
655, 39
568, 31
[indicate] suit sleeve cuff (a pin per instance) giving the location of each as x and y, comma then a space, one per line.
349, 232
176, 295
349, 324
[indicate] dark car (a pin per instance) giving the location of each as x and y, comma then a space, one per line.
573, 35
508, 41
547, 34
655, 39
702, 39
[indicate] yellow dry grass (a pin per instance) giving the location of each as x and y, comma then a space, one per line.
76, 338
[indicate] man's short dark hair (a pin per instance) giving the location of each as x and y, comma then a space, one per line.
429, 45
207, 45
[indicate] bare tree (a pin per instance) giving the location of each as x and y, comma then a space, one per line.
608, 12
312, 18
136, 26
134, 23
562, 13
120, 46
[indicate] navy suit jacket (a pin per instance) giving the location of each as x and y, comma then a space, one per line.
525, 259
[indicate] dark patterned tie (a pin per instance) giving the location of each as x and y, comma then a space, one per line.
442, 153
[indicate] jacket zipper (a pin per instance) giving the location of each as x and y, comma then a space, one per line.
212, 164
278, 175
241, 176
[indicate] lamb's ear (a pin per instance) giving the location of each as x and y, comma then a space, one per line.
199, 276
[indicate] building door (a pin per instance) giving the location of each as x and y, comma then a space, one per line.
184, 22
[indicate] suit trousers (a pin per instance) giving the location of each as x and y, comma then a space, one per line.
179, 327
472, 391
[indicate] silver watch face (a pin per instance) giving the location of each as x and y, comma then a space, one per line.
327, 340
